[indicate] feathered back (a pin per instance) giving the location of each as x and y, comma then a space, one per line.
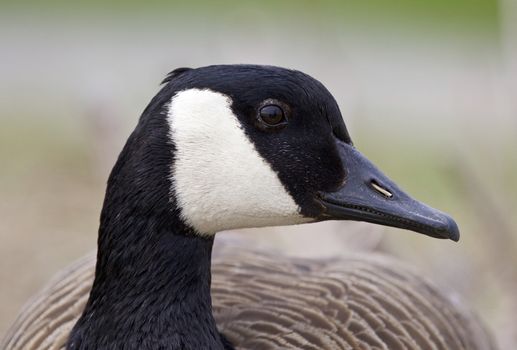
264, 301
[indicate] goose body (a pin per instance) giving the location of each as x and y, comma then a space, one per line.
225, 147
265, 301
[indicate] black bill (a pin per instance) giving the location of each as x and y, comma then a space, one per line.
369, 195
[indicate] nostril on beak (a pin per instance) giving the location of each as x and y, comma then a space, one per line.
377, 187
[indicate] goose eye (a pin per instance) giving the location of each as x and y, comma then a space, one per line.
272, 115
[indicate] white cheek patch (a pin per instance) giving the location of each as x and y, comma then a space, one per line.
219, 179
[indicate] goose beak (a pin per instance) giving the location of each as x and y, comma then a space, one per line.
369, 195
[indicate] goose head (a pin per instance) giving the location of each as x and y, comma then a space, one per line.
222, 147
249, 146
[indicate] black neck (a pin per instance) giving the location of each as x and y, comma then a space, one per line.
152, 279
155, 297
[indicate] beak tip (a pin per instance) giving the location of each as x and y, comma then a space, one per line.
452, 230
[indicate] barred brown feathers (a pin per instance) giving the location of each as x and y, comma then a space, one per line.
264, 301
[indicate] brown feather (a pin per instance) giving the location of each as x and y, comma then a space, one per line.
264, 301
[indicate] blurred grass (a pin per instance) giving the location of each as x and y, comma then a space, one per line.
436, 11
442, 16
45, 143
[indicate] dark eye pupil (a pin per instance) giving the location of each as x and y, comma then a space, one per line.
272, 114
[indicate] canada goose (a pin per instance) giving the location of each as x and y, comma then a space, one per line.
235, 146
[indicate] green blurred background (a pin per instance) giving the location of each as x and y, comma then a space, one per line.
428, 90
